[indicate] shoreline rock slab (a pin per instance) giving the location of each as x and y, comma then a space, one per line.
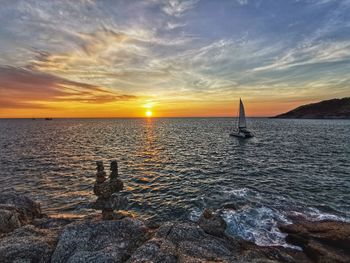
17, 210
9, 220
28, 244
184, 242
187, 242
99, 241
90, 239
212, 223
322, 241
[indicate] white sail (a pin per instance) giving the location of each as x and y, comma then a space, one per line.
241, 122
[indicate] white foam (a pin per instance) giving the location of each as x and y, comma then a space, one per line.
241, 192
195, 214
258, 225
314, 214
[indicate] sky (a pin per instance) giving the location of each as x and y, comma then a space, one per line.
110, 58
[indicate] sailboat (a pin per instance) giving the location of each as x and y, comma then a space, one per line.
242, 131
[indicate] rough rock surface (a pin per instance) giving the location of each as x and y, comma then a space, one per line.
185, 242
89, 239
250, 252
100, 241
212, 223
9, 220
28, 244
53, 223
324, 241
17, 210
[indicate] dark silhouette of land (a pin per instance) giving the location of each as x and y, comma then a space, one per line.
327, 109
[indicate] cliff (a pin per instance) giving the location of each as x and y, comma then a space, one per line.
327, 109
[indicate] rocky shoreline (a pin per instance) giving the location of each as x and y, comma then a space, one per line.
28, 235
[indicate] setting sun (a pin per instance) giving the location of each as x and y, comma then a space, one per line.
149, 113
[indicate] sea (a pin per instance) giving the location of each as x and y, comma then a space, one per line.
173, 168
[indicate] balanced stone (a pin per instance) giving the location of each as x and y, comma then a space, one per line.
106, 190
101, 174
114, 169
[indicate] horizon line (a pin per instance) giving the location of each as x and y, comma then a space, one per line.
163, 117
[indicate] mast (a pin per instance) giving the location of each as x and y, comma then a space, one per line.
241, 122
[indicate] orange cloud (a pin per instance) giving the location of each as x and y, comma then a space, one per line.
23, 88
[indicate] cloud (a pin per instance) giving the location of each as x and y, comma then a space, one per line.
27, 88
242, 2
311, 54
171, 25
178, 8
91, 51
98, 52
109, 58
8, 103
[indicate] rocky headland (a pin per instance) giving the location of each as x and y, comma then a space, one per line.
327, 109
28, 235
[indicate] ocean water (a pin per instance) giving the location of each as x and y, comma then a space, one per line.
174, 167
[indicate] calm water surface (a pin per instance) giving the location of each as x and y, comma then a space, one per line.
173, 168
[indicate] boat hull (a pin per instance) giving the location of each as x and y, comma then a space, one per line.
242, 135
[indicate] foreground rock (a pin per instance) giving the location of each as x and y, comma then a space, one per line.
17, 210
28, 236
128, 240
9, 220
325, 241
212, 223
100, 241
187, 242
28, 244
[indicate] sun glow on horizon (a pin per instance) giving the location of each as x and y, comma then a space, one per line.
149, 113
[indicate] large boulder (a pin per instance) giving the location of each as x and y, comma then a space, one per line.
99, 241
185, 242
212, 223
324, 241
156, 250
252, 253
28, 244
9, 220
17, 210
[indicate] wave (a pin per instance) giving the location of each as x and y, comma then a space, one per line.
259, 225
256, 220
314, 214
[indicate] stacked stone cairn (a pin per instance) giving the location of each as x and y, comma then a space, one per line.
106, 190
